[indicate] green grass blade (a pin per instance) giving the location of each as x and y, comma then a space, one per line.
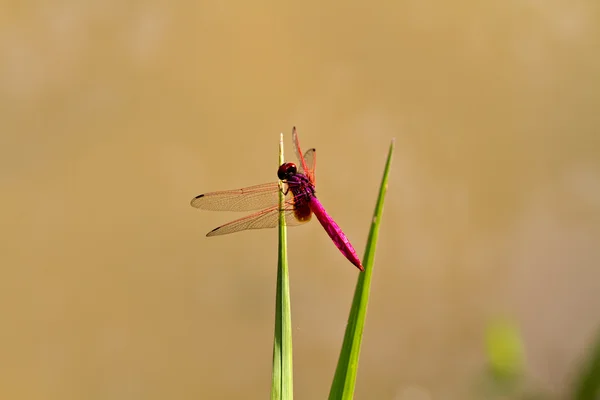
345, 374
587, 386
282, 376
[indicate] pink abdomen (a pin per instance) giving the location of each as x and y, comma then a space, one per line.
334, 232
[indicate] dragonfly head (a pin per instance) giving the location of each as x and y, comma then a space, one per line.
286, 170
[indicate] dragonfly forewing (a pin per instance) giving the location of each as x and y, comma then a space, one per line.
310, 158
246, 199
307, 161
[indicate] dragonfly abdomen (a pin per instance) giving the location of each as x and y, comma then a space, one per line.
335, 232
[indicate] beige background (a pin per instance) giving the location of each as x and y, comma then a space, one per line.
113, 115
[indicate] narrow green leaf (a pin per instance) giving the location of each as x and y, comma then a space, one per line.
344, 380
282, 377
587, 386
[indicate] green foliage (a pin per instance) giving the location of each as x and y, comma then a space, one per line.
344, 380
505, 361
587, 386
282, 387
504, 351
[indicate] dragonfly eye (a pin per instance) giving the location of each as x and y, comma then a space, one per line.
286, 170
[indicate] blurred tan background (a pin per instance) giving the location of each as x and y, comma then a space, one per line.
114, 115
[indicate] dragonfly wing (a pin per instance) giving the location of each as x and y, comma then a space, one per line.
246, 199
310, 157
268, 218
307, 161
297, 149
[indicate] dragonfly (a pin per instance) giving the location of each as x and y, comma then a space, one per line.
298, 186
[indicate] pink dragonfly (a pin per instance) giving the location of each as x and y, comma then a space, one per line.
300, 203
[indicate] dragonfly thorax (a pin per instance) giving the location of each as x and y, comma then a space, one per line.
301, 187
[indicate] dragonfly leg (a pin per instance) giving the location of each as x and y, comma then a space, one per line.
285, 188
